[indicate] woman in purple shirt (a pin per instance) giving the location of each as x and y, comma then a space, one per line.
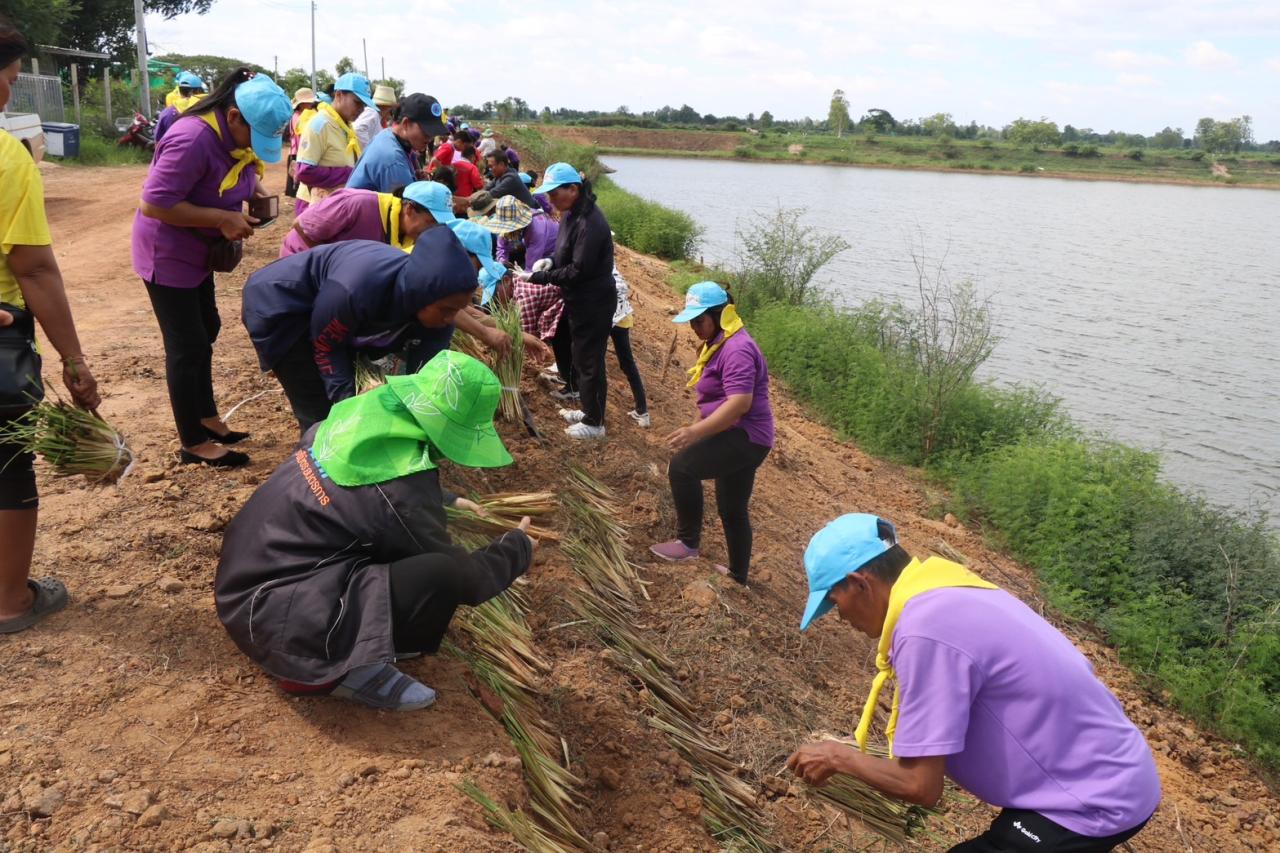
205, 169
730, 439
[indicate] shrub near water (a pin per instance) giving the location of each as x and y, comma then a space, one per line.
647, 226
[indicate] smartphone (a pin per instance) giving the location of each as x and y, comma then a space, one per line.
265, 209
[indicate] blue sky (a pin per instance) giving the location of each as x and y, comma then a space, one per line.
1133, 65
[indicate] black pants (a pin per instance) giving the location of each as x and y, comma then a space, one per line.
627, 361
590, 325
300, 378
17, 470
425, 592
562, 346
1022, 831
189, 324
731, 460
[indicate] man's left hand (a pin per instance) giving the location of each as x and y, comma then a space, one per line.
536, 349
815, 763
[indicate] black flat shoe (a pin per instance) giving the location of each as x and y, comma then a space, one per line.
231, 437
232, 459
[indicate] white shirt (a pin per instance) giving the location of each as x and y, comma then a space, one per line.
487, 146
367, 125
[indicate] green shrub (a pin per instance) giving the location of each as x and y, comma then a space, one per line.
1197, 156
1026, 167
647, 226
1090, 151
1071, 149
778, 257
98, 151
685, 274
1135, 154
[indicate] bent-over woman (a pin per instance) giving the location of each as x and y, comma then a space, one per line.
396, 218
341, 561
731, 437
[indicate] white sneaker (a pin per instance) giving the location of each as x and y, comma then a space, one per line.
582, 431
642, 421
565, 396
573, 416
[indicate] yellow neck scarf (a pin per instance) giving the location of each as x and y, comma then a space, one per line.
243, 157
917, 578
730, 324
353, 141
389, 208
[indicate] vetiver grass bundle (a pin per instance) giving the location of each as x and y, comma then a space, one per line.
503, 512
467, 345
368, 374
893, 819
72, 440
510, 367
526, 833
597, 547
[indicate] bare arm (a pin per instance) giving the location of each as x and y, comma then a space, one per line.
733, 408
40, 281
484, 330
233, 224
915, 780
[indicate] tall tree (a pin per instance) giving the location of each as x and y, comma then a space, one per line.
41, 21
211, 69
107, 25
766, 120
346, 65
880, 119
838, 112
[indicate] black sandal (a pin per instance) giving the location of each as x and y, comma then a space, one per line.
49, 596
231, 437
232, 459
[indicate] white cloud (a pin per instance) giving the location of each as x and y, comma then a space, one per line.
1134, 80
1124, 60
1205, 54
1274, 64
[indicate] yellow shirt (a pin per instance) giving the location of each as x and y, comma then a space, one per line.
173, 97
22, 219
322, 143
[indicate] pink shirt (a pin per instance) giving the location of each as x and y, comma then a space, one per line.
344, 215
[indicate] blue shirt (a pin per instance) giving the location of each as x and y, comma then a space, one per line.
384, 165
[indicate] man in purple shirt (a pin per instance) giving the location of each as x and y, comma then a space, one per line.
987, 693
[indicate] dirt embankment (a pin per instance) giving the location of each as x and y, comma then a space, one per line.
130, 722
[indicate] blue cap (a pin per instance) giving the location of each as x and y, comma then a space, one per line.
189, 80
267, 109
479, 242
526, 179
325, 97
699, 298
356, 84
557, 175
435, 197
837, 551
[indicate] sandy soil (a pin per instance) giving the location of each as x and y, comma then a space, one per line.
134, 702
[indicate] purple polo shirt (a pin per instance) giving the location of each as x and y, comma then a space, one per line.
344, 215
539, 241
1018, 713
738, 367
190, 163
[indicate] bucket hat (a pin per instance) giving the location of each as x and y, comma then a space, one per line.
384, 96
557, 175
481, 203
510, 214
700, 298
305, 95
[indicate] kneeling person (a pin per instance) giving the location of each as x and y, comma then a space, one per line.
341, 561
986, 692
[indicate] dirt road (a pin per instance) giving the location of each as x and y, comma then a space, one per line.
130, 722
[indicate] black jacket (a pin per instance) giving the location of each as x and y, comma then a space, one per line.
303, 586
582, 266
510, 184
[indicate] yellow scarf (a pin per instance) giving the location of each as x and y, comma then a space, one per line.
243, 157
933, 573
389, 208
353, 141
730, 324
184, 104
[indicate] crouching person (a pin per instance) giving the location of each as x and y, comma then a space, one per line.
340, 562
985, 692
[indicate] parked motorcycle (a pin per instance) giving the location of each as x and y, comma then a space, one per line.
140, 133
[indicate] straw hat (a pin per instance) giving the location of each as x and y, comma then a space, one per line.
385, 96
305, 95
510, 214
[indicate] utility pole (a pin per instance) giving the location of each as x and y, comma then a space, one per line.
364, 44
275, 60
384, 68
144, 76
313, 45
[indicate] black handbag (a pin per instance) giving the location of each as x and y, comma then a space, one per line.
20, 384
224, 255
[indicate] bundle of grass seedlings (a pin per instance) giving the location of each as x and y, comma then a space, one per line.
526, 833
503, 512
891, 818
368, 374
467, 345
596, 548
72, 440
506, 315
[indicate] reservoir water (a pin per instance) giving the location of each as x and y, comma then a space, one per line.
1153, 311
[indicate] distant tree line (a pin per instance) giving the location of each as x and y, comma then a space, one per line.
1226, 136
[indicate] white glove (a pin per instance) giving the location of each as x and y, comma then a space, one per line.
544, 264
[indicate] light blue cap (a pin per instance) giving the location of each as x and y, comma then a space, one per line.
267, 109
837, 551
356, 84
189, 80
557, 175
435, 197
478, 241
325, 97
699, 298
526, 179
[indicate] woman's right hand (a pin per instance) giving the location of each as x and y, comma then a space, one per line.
236, 225
525, 524
80, 382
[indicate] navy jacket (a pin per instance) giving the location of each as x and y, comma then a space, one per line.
341, 292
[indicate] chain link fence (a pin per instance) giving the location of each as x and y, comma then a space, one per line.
38, 93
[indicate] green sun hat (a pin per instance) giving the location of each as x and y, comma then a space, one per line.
395, 430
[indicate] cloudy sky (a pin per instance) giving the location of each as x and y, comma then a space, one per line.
1133, 65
